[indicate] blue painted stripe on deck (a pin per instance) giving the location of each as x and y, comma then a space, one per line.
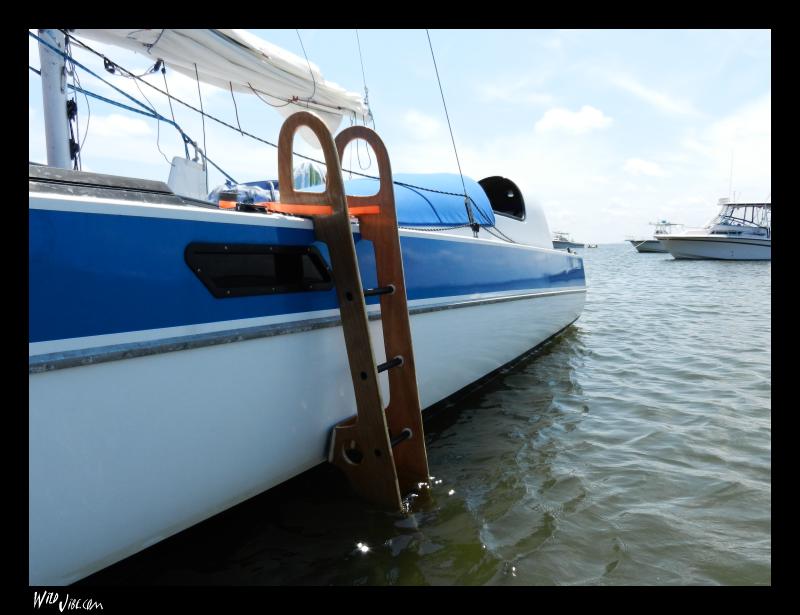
94, 274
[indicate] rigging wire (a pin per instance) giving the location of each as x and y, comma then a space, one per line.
187, 140
76, 79
452, 138
158, 123
235, 108
169, 98
352, 123
72, 112
364, 80
266, 102
311, 72
149, 112
203, 116
364, 118
195, 109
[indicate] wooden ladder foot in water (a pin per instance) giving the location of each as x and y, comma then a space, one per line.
381, 452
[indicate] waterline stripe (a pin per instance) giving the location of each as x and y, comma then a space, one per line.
117, 352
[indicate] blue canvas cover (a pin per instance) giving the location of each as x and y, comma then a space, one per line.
416, 207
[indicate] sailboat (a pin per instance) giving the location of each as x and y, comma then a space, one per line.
186, 355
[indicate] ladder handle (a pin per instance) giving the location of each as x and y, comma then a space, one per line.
385, 187
333, 179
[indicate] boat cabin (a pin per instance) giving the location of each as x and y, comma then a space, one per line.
742, 218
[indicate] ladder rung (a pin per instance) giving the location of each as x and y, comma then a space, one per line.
381, 290
396, 362
404, 435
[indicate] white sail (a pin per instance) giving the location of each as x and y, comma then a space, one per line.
239, 60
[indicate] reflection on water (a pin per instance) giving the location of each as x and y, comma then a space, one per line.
632, 449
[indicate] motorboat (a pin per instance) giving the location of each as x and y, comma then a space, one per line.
740, 231
652, 245
563, 241
188, 351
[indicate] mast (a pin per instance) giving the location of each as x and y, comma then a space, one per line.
54, 98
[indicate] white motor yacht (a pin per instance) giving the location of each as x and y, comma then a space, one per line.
652, 244
741, 231
562, 241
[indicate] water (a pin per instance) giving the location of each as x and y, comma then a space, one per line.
633, 449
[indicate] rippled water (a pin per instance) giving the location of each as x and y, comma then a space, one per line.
633, 449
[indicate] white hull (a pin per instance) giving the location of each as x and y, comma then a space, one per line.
647, 245
718, 247
132, 451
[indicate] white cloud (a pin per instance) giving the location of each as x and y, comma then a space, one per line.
420, 125
575, 122
745, 135
518, 92
662, 102
118, 126
686, 200
583, 183
553, 43
494, 93
637, 166
36, 145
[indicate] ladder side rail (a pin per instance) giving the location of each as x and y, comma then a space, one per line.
376, 466
403, 411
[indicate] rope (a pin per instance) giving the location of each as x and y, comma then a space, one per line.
310, 72
364, 81
151, 112
169, 99
72, 114
363, 74
187, 140
447, 115
226, 124
77, 80
158, 124
235, 108
200, 96
266, 102
369, 111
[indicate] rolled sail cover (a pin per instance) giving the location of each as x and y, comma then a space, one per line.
418, 207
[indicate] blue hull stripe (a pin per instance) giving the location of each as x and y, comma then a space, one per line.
93, 274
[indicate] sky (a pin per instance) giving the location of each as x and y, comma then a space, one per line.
608, 130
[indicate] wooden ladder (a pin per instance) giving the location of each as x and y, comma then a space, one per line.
381, 452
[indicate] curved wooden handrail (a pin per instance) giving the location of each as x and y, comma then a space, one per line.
385, 193
403, 411
334, 187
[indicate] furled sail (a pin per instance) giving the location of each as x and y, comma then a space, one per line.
239, 60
